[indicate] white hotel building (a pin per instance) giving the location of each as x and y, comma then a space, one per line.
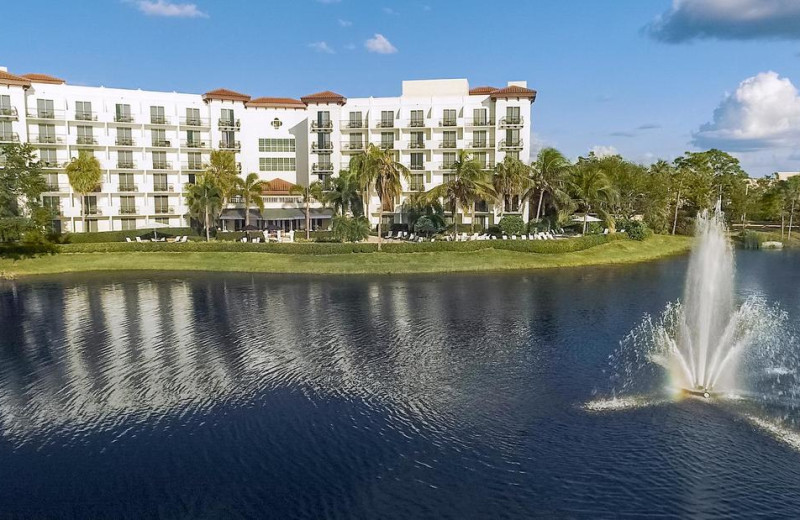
150, 144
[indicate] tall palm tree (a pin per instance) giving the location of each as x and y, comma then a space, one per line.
549, 173
364, 167
205, 200
84, 175
222, 169
388, 184
590, 188
511, 177
250, 189
312, 192
468, 183
343, 192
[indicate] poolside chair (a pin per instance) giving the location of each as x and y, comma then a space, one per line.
388, 235
128, 239
139, 239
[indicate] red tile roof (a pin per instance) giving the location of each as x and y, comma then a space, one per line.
273, 102
324, 97
278, 187
43, 78
6, 78
479, 91
226, 95
514, 92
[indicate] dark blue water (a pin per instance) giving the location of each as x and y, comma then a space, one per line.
238, 396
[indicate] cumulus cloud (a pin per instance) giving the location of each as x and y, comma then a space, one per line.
727, 20
764, 112
344, 23
604, 151
380, 45
322, 47
169, 9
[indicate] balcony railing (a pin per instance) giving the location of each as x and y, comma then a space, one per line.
322, 126
384, 124
512, 121
161, 143
479, 144
511, 144
163, 186
230, 145
93, 210
446, 166
9, 137
351, 123
416, 167
162, 165
158, 120
194, 121
387, 146
417, 145
44, 114
417, 123
322, 147
448, 122
127, 187
49, 164
48, 139
230, 123
322, 167
8, 113
416, 186
123, 118
128, 210
191, 166
352, 146
126, 165
54, 187
162, 210
85, 139
194, 144
125, 141
85, 116
480, 122
447, 144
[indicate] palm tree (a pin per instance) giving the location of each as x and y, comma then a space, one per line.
388, 184
511, 177
204, 199
84, 175
343, 192
364, 167
313, 191
590, 188
250, 189
549, 173
223, 170
467, 184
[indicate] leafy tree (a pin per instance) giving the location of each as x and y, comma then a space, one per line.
425, 226
314, 191
418, 206
205, 200
222, 169
549, 173
591, 189
511, 178
792, 194
342, 193
84, 175
21, 185
250, 189
512, 225
350, 229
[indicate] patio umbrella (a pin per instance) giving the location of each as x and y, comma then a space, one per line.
155, 225
589, 218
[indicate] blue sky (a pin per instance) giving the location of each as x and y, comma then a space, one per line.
646, 78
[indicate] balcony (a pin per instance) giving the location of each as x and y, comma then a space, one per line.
230, 145
321, 126
479, 145
387, 146
163, 186
233, 124
85, 116
52, 188
446, 166
126, 187
162, 165
192, 166
353, 124
194, 144
416, 186
48, 139
125, 141
322, 147
9, 137
416, 167
128, 210
45, 114
123, 118
8, 113
322, 167
514, 144
164, 210
158, 120
195, 122
480, 122
93, 210
126, 165
448, 122
384, 124
86, 140
417, 145
161, 143
448, 144
49, 164
353, 147
417, 123
512, 122
57, 211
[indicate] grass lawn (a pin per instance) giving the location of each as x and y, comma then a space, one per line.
617, 252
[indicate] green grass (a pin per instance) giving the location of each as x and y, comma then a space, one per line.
614, 252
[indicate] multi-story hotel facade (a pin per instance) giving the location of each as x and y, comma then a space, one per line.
151, 144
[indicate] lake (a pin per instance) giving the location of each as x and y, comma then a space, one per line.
448, 396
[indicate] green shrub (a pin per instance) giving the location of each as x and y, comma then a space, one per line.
347, 229
120, 236
425, 226
750, 239
512, 225
635, 229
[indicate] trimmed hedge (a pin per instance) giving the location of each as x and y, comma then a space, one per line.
312, 248
119, 236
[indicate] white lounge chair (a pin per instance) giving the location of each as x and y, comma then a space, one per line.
128, 239
139, 239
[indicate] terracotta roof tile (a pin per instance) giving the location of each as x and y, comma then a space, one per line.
6, 78
515, 91
226, 95
278, 187
273, 102
479, 91
324, 97
43, 78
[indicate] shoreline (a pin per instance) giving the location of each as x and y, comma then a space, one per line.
618, 252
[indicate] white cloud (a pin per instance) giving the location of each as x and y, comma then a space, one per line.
390, 11
764, 112
169, 9
604, 151
728, 20
345, 23
322, 47
380, 44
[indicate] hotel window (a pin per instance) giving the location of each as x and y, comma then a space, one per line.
123, 113
449, 117
276, 164
356, 141
276, 145
161, 203
5, 105
417, 118
5, 131
227, 118
479, 117
417, 182
160, 182
91, 225
48, 157
52, 202
91, 204
448, 159
128, 224
124, 159
126, 182
162, 220
157, 116
127, 205
325, 160
387, 119
159, 137
514, 154
47, 133
193, 117
512, 116
83, 111
51, 181
44, 108
481, 158
356, 120
193, 138
85, 135
479, 139
124, 137
449, 139
160, 161
512, 137
195, 161
417, 140
387, 140
323, 141
228, 139
324, 119
417, 161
